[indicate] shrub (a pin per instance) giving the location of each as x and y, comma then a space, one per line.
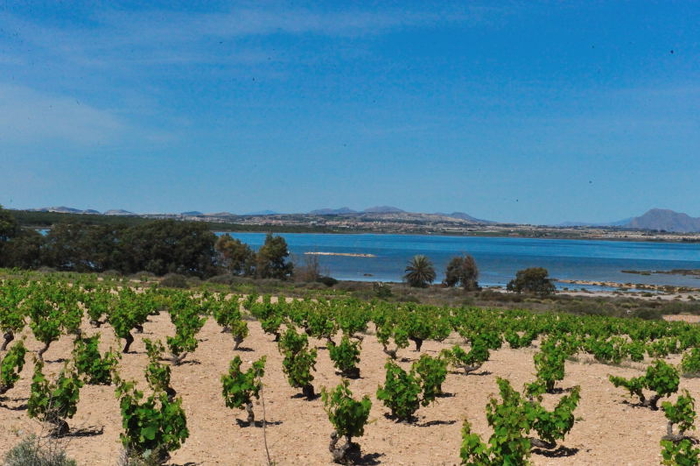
54, 402
532, 280
12, 364
152, 427
298, 361
32, 451
328, 281
346, 356
400, 393
431, 374
690, 364
348, 417
239, 388
660, 378
94, 368
174, 280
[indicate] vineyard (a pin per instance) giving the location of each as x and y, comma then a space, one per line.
107, 366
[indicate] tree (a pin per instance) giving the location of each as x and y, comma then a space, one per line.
9, 228
532, 280
23, 251
463, 271
169, 246
271, 259
236, 256
82, 247
419, 272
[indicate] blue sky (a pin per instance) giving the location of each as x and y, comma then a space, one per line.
519, 111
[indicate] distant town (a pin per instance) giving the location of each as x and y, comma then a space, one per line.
655, 225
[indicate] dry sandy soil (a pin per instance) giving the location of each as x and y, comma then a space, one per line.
611, 431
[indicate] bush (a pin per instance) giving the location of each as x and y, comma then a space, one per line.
328, 281
532, 280
690, 364
32, 451
174, 280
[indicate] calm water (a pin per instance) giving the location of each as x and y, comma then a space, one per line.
497, 258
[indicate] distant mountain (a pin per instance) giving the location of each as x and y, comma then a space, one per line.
618, 223
263, 212
192, 213
66, 210
119, 212
664, 219
383, 209
463, 216
59, 209
326, 211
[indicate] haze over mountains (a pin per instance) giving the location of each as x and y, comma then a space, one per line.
654, 219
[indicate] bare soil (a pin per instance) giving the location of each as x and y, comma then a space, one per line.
611, 430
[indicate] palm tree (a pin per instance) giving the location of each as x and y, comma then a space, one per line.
419, 271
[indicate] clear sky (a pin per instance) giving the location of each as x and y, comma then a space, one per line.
519, 111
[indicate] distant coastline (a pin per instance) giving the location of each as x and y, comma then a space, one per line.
346, 254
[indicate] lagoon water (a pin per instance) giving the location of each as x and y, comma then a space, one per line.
497, 258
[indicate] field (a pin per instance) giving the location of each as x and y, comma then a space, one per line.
610, 428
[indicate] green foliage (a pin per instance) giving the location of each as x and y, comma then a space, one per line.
682, 453
512, 419
33, 451
467, 361
11, 366
550, 364
431, 375
184, 314
97, 301
660, 378
347, 415
554, 425
238, 387
131, 310
610, 350
269, 315
346, 356
419, 272
681, 413
690, 364
299, 361
12, 314
234, 255
45, 321
271, 259
153, 426
508, 445
54, 402
169, 246
532, 280
400, 392
462, 270
157, 373
90, 364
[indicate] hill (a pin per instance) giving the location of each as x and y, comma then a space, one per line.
665, 219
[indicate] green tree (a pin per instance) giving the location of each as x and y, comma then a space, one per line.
271, 259
462, 270
82, 247
236, 256
169, 246
9, 228
419, 272
532, 280
23, 251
